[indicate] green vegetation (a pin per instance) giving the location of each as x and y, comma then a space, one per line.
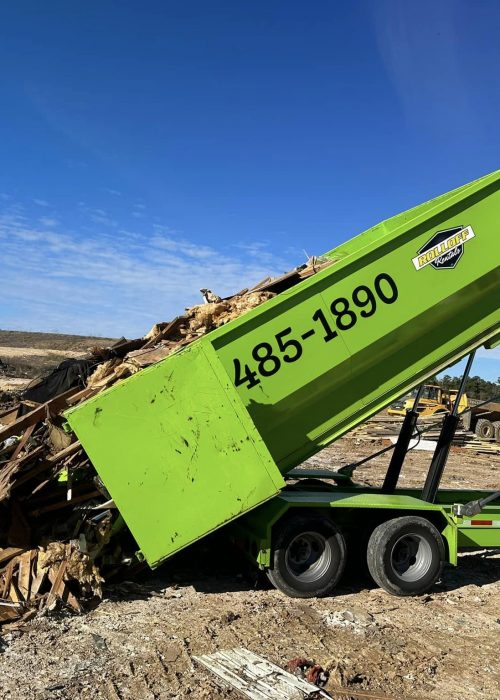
475, 387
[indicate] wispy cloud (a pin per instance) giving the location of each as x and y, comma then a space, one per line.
41, 202
48, 221
98, 216
106, 279
493, 354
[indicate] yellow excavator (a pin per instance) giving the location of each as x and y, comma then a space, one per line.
433, 400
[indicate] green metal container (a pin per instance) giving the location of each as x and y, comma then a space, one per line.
201, 437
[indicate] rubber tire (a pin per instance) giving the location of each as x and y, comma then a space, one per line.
379, 551
496, 427
284, 533
485, 429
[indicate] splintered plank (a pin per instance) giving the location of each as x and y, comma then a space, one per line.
10, 415
9, 571
22, 442
57, 585
146, 357
61, 590
66, 452
24, 575
9, 612
8, 553
169, 328
9, 471
39, 574
14, 594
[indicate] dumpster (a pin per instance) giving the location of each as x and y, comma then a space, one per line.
205, 435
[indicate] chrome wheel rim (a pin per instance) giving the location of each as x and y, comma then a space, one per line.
411, 557
308, 557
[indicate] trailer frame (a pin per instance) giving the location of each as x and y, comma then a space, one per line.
464, 518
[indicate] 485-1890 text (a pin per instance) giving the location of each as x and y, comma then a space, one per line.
288, 348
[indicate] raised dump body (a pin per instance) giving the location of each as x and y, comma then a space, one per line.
204, 435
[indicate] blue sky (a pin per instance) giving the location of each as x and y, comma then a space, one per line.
150, 149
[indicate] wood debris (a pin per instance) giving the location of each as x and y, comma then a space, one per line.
60, 534
382, 427
253, 676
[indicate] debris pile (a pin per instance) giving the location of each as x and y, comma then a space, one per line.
61, 535
383, 427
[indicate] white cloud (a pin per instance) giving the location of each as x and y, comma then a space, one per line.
41, 202
111, 281
493, 354
48, 221
98, 216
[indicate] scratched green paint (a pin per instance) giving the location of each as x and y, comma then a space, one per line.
177, 451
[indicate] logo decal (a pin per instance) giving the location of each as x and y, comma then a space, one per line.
444, 249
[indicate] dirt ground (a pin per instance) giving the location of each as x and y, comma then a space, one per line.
26, 355
139, 642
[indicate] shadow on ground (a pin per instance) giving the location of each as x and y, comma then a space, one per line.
216, 566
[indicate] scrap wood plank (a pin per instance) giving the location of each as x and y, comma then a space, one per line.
123, 348
65, 503
47, 463
21, 620
57, 585
8, 472
255, 677
61, 590
24, 575
148, 356
14, 594
31, 473
22, 442
39, 574
258, 679
9, 611
38, 414
81, 395
8, 553
66, 452
169, 328
10, 415
8, 573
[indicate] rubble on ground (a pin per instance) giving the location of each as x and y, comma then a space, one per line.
61, 535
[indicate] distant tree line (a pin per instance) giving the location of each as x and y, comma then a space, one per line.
475, 387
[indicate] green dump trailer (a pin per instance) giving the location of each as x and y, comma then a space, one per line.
213, 433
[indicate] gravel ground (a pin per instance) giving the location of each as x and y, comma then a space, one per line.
139, 641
